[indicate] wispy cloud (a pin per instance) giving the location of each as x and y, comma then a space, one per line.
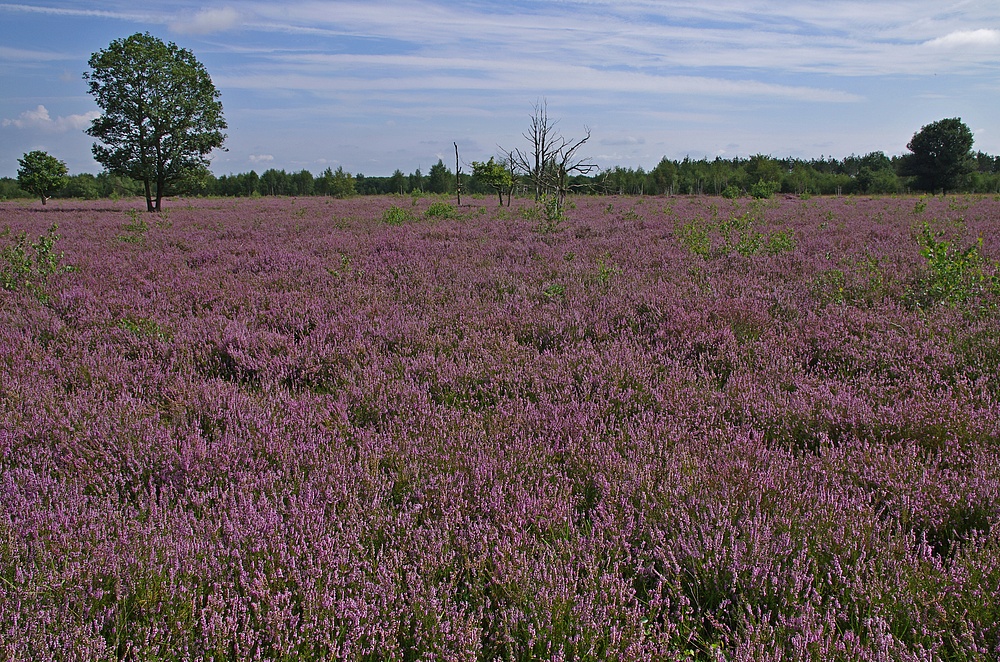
39, 118
352, 72
208, 21
22, 55
151, 17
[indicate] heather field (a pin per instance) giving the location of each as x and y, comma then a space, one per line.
392, 429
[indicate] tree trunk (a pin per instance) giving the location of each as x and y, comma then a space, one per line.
149, 195
159, 193
458, 177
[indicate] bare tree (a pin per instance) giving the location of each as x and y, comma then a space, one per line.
544, 141
551, 160
458, 176
566, 164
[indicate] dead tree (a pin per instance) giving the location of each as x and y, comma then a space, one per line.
551, 160
545, 143
566, 163
458, 177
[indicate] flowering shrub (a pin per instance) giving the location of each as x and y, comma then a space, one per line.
288, 429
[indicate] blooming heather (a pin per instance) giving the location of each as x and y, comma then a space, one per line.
668, 429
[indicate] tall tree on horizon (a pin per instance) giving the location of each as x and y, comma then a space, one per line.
162, 115
941, 155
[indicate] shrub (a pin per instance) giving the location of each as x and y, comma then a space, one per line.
395, 215
552, 216
731, 192
764, 190
27, 265
954, 276
441, 210
782, 241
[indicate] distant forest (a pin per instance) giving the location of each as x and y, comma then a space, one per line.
873, 173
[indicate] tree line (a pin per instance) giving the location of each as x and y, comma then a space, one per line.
871, 174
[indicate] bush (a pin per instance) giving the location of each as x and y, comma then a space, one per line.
27, 265
396, 216
441, 210
954, 276
764, 190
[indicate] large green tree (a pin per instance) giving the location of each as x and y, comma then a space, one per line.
162, 115
941, 155
41, 174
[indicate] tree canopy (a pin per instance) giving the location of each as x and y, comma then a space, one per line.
495, 175
941, 155
162, 114
41, 174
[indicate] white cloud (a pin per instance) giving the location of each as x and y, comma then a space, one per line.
261, 158
81, 13
208, 21
39, 118
23, 55
983, 38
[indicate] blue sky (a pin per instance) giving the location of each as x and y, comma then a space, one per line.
374, 86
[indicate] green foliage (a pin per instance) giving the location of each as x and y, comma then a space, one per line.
395, 215
920, 206
550, 216
732, 192
941, 155
607, 270
441, 210
740, 233
162, 115
764, 189
554, 290
954, 276
495, 175
143, 327
782, 241
136, 228
338, 184
41, 174
28, 265
439, 178
532, 213
694, 236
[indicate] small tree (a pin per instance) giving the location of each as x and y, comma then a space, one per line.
941, 155
162, 114
495, 175
41, 174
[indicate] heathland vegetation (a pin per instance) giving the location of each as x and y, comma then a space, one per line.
732, 426
652, 429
